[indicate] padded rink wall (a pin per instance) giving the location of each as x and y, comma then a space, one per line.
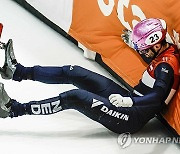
96, 26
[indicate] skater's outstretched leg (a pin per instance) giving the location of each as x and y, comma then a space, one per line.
76, 75
91, 105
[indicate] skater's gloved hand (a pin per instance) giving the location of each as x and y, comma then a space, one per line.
119, 101
127, 38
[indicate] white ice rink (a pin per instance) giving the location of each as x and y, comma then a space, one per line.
66, 132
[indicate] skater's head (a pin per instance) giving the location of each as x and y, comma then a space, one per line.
149, 37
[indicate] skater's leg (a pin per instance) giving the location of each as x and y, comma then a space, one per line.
93, 106
76, 75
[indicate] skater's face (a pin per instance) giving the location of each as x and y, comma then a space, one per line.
149, 53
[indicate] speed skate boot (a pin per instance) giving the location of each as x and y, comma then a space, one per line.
8, 68
5, 102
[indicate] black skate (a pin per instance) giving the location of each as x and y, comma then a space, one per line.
5, 102
8, 68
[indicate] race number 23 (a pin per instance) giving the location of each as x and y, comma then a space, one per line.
154, 38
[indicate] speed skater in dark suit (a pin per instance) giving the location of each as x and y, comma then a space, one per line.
96, 96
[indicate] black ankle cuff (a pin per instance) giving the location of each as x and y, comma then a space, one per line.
17, 109
22, 73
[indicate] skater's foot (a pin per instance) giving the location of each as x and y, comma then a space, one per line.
9, 66
5, 102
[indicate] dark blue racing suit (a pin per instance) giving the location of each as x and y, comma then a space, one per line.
91, 97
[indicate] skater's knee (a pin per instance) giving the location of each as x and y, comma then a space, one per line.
74, 99
74, 94
67, 68
74, 70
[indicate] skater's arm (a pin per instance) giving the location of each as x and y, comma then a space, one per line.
164, 76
